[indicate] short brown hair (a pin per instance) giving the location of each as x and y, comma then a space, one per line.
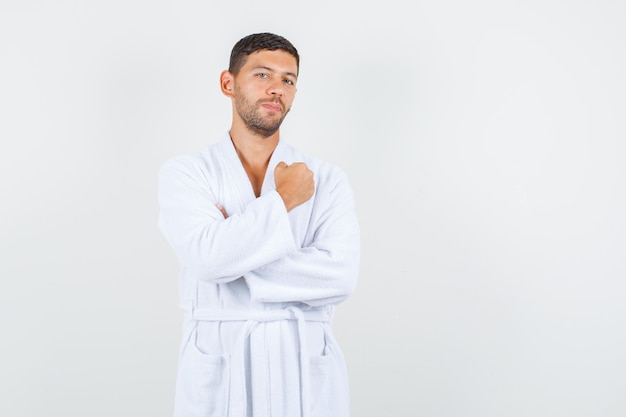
259, 42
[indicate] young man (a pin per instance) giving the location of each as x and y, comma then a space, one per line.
268, 242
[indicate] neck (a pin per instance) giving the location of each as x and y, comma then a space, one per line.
253, 150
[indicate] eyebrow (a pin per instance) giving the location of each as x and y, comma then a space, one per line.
273, 70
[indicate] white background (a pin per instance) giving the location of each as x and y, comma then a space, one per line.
485, 144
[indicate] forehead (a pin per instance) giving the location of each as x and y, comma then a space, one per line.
278, 60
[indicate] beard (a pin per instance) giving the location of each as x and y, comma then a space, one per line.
251, 115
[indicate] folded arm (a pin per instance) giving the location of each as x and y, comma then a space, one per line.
213, 248
326, 270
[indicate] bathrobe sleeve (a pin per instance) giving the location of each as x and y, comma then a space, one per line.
325, 271
212, 248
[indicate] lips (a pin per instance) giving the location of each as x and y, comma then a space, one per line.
272, 105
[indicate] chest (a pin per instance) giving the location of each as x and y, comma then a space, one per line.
236, 193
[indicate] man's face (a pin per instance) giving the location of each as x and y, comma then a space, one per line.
264, 89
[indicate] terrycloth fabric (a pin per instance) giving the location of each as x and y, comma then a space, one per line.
258, 288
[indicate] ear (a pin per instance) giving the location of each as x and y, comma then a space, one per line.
227, 83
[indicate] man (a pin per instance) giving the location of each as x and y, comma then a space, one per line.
268, 242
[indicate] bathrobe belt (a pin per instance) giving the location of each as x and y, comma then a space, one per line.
238, 398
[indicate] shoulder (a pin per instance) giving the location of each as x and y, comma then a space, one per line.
195, 164
291, 154
326, 173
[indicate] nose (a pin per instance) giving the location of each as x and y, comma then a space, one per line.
276, 89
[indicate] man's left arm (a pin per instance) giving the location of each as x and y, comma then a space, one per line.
326, 270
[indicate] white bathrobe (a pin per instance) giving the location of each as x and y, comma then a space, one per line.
258, 288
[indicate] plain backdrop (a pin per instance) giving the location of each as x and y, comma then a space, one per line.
484, 141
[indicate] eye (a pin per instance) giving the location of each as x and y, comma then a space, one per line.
262, 75
289, 82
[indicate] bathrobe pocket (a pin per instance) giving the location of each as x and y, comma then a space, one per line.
329, 387
319, 372
202, 388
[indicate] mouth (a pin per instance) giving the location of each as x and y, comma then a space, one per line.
272, 106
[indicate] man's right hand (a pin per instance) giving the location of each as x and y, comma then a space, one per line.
294, 183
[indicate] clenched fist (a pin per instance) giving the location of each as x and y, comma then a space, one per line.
294, 183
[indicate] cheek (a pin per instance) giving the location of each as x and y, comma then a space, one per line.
290, 100
290, 94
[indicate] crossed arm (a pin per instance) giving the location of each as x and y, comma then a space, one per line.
258, 243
